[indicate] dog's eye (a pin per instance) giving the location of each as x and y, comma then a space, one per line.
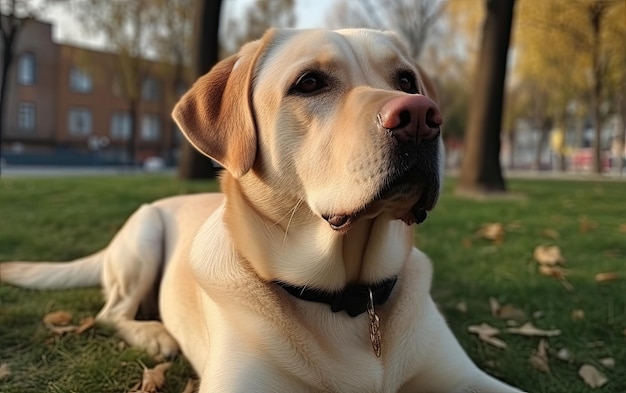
406, 82
309, 83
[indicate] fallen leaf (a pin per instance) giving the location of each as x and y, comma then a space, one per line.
592, 377
528, 329
486, 334
622, 228
607, 362
552, 271
5, 371
539, 358
461, 307
494, 306
509, 311
61, 330
586, 225
57, 318
85, 324
492, 231
612, 253
467, 243
152, 379
556, 272
607, 276
548, 255
551, 233
578, 315
564, 354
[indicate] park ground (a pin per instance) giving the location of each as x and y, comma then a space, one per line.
485, 273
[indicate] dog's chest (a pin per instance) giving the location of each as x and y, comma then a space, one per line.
340, 349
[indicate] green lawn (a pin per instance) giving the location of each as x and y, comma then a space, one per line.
65, 218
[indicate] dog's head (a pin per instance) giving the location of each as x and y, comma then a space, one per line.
339, 120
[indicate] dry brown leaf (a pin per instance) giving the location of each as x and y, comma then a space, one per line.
607, 362
57, 318
190, 387
539, 358
509, 311
494, 306
467, 243
528, 329
552, 271
607, 276
551, 233
154, 378
85, 324
548, 255
586, 225
578, 315
61, 330
5, 371
592, 377
461, 307
486, 334
556, 272
622, 228
492, 231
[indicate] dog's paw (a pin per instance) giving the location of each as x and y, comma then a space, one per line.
150, 336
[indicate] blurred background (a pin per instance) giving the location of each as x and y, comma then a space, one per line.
91, 83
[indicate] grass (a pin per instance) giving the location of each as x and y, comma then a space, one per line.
586, 216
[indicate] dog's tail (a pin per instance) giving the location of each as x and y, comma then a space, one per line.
81, 272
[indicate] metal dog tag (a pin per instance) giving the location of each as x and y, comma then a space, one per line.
374, 326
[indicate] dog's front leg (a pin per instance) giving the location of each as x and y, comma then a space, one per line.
445, 367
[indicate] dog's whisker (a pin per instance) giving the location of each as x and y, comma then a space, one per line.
293, 212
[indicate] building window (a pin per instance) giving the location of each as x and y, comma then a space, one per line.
26, 117
150, 89
80, 121
120, 126
150, 128
26, 69
80, 80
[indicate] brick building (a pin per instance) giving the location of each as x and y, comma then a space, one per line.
65, 105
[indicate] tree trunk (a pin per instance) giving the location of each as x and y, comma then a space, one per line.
131, 147
193, 164
481, 171
6, 63
9, 36
595, 14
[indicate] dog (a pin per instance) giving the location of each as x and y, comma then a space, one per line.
302, 275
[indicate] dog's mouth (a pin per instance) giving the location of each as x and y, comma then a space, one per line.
409, 194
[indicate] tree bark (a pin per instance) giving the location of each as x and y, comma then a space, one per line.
193, 164
9, 30
481, 171
595, 15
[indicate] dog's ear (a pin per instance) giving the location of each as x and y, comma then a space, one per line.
216, 116
429, 85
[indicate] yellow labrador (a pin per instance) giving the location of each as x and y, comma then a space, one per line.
302, 276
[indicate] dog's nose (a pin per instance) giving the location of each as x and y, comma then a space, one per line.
411, 118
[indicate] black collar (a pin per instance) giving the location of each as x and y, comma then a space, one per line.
353, 298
